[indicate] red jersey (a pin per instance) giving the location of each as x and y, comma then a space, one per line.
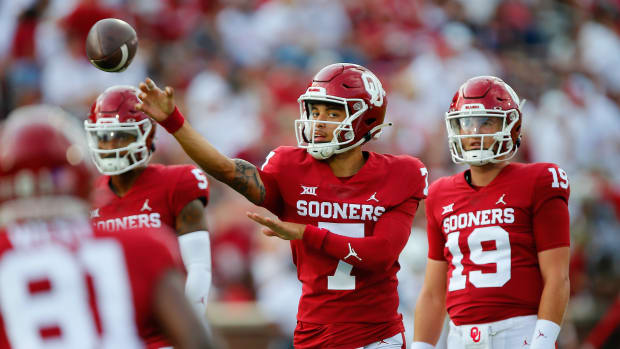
64, 285
156, 197
491, 236
347, 264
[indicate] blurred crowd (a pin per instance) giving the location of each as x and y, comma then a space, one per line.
238, 66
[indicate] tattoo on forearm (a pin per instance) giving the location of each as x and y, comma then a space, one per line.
246, 177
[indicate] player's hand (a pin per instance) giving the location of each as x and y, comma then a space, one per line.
156, 103
278, 228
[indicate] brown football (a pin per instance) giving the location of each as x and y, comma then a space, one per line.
111, 45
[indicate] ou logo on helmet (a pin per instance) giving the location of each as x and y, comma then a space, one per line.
374, 88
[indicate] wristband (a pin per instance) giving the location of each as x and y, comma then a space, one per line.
314, 236
173, 122
545, 334
422, 345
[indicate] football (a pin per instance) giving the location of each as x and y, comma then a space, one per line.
111, 44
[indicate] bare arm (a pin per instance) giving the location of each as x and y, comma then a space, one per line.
556, 286
191, 218
175, 314
236, 173
430, 309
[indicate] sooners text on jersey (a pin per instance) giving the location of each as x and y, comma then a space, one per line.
486, 235
156, 198
333, 290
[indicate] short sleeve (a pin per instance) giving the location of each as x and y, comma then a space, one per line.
191, 184
436, 239
269, 172
551, 225
551, 222
419, 179
551, 182
271, 162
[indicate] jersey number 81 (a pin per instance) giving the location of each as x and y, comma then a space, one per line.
64, 308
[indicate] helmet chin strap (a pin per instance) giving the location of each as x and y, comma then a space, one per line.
321, 153
324, 152
478, 157
377, 128
118, 165
114, 164
486, 156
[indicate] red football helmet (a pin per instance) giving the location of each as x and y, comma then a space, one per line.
119, 136
479, 103
364, 101
43, 171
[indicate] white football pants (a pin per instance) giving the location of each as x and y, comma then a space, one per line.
513, 333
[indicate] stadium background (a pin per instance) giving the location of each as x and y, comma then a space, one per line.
238, 67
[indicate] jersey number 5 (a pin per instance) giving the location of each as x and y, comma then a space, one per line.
500, 256
202, 179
